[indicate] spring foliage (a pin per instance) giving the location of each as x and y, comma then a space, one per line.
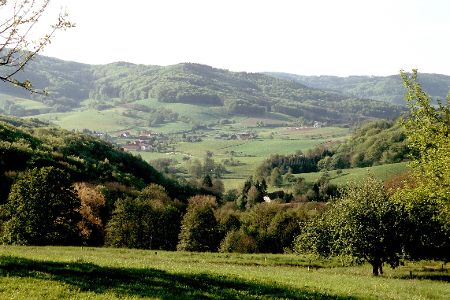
41, 209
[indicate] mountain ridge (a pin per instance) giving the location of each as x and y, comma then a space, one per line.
239, 93
383, 88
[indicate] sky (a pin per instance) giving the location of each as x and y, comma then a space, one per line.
308, 37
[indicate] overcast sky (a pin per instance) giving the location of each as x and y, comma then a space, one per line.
314, 37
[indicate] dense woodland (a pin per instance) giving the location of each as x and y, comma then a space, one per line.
389, 88
69, 83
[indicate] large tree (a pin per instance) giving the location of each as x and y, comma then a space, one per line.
21, 38
428, 131
42, 209
415, 222
151, 221
426, 195
199, 228
364, 224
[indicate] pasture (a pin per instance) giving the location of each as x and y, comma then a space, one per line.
382, 172
104, 273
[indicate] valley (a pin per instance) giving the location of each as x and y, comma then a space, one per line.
200, 150
177, 114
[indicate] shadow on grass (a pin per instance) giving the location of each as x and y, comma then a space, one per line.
428, 274
150, 282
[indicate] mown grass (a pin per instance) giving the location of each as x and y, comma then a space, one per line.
106, 120
102, 273
383, 172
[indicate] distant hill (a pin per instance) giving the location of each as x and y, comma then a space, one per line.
70, 83
389, 89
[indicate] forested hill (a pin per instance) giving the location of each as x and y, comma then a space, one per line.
27, 144
238, 93
389, 88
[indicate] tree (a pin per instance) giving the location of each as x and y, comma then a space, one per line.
41, 209
207, 182
427, 196
275, 177
239, 241
195, 168
16, 48
130, 225
428, 132
257, 221
91, 209
208, 163
151, 221
254, 197
199, 230
364, 224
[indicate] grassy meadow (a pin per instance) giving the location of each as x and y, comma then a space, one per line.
104, 273
383, 172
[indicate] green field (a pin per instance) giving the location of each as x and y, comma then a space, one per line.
25, 104
102, 273
382, 172
251, 153
275, 137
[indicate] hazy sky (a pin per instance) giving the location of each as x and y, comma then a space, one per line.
333, 37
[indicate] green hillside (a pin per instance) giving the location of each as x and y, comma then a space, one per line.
27, 144
383, 88
343, 177
76, 86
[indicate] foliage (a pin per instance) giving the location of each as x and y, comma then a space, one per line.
238, 241
275, 178
426, 196
199, 230
428, 223
231, 93
92, 209
266, 228
364, 223
41, 209
252, 193
428, 131
151, 221
386, 88
298, 162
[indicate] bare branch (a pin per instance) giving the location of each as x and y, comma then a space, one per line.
16, 50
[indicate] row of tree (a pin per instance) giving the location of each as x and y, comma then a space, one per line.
45, 208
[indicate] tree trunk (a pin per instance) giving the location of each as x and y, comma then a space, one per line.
374, 268
377, 267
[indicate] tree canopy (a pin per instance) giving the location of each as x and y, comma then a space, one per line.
41, 209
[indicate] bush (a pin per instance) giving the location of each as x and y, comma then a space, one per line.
238, 241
